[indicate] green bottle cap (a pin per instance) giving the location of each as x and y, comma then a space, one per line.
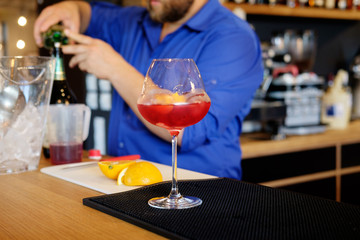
54, 34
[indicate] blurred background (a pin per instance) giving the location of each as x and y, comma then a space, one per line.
304, 43
320, 45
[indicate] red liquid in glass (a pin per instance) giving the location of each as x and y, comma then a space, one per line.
174, 117
61, 153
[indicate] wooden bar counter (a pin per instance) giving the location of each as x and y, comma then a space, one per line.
37, 206
253, 147
335, 141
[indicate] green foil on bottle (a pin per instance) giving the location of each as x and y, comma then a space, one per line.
54, 34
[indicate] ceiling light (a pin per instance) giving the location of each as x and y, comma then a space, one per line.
20, 44
22, 21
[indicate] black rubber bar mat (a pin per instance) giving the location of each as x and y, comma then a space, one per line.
234, 209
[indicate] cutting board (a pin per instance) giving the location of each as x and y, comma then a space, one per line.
88, 174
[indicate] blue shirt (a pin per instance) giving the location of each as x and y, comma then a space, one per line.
228, 55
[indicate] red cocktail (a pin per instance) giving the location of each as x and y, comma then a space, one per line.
174, 117
173, 97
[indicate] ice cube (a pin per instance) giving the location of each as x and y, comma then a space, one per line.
23, 140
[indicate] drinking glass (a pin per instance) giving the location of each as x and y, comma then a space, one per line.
173, 97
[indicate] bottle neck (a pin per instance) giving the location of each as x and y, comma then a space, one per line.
59, 64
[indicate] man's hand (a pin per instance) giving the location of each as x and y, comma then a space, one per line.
73, 15
93, 55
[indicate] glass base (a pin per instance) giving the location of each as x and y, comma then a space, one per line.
13, 166
182, 202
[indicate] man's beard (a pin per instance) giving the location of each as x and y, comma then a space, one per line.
173, 10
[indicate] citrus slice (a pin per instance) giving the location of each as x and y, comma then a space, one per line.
120, 176
162, 98
139, 174
111, 169
166, 99
178, 98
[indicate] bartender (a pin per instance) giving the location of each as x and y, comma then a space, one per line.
118, 44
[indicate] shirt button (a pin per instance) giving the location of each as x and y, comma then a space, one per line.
121, 144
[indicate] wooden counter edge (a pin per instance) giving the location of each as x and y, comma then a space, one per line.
252, 148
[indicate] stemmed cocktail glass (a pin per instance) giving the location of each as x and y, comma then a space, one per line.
173, 97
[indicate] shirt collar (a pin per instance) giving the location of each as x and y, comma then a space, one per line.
198, 22
202, 19
152, 29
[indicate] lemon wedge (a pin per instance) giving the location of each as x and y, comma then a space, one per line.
178, 98
162, 98
139, 174
111, 169
121, 174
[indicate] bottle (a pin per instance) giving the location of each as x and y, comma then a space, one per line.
291, 3
54, 34
330, 4
355, 4
342, 4
337, 103
61, 93
319, 3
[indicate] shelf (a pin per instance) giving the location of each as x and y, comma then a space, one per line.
284, 11
252, 147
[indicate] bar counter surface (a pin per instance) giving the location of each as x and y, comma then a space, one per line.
34, 205
252, 146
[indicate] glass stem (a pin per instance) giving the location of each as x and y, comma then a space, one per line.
174, 188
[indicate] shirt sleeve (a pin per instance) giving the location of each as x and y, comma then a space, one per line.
231, 66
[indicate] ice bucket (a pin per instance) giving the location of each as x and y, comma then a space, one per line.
25, 88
